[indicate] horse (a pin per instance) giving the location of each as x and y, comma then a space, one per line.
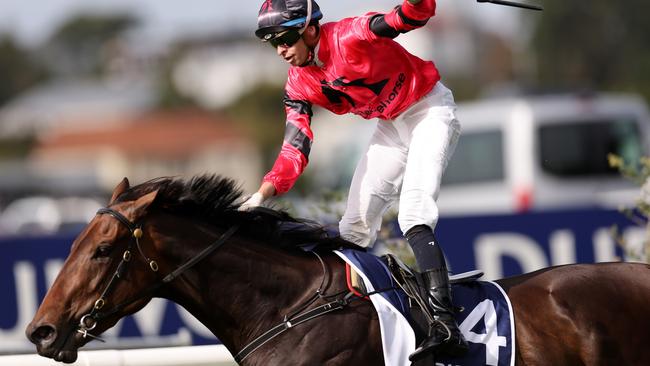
243, 275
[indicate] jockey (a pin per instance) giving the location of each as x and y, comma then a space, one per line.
355, 66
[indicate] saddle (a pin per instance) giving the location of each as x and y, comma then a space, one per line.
412, 284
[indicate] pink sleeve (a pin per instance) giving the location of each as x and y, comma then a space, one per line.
410, 16
298, 136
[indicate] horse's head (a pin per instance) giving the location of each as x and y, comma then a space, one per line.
101, 281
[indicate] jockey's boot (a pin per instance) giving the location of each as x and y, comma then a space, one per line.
444, 335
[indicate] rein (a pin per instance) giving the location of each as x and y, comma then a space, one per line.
300, 316
89, 321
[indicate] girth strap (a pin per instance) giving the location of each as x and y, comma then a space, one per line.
290, 323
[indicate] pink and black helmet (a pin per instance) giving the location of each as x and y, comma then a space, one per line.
277, 16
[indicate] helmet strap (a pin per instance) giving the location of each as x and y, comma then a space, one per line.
308, 19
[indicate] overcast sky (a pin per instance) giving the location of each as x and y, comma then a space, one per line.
31, 21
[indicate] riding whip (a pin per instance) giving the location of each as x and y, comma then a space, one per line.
512, 3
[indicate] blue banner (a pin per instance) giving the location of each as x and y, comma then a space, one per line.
500, 245
506, 245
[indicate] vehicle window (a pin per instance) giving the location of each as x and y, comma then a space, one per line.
478, 159
580, 148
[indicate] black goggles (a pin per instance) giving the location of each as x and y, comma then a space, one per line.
285, 38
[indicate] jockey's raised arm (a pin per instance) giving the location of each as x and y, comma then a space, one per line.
412, 14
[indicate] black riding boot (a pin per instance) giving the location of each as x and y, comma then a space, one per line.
444, 335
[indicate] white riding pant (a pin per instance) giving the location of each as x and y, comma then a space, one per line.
404, 162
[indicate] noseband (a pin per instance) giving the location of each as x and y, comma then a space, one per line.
89, 321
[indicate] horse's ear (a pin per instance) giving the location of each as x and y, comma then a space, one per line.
142, 203
121, 188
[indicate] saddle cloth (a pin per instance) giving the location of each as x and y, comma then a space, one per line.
487, 321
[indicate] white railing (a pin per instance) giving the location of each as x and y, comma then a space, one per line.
213, 355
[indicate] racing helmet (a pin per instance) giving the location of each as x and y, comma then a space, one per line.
278, 16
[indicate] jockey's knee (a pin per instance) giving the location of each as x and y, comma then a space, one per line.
417, 207
357, 232
408, 220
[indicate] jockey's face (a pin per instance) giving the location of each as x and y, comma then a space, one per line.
296, 55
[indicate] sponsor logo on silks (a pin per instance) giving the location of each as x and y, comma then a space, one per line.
399, 84
335, 96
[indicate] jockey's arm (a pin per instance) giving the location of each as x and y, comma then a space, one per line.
294, 155
411, 14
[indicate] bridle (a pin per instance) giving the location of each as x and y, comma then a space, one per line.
89, 321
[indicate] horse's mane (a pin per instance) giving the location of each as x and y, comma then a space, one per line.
215, 199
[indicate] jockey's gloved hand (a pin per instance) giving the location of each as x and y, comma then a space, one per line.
255, 200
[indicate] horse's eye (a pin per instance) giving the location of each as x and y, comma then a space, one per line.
102, 251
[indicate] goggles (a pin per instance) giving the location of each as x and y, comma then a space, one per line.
286, 38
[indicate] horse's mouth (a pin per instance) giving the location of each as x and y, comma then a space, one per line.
66, 356
65, 351
60, 355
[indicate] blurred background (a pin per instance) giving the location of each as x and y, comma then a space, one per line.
94, 91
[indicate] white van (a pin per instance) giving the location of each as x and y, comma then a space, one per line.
544, 152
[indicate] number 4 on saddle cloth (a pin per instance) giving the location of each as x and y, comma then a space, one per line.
484, 313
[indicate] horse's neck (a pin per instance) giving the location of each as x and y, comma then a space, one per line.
244, 287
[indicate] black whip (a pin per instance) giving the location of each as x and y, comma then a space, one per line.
512, 3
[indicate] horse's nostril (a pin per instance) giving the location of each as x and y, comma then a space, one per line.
43, 334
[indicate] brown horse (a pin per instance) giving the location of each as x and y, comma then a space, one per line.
241, 274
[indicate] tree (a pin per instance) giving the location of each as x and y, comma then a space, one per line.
595, 44
18, 71
261, 111
77, 46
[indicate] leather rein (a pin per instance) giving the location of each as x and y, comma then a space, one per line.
89, 321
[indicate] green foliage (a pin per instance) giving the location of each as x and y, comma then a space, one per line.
261, 112
637, 172
18, 71
595, 44
81, 45
88, 29
169, 97
15, 148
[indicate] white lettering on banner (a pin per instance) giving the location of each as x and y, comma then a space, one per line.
604, 247
562, 245
635, 238
529, 254
52, 269
491, 339
26, 300
148, 321
489, 248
